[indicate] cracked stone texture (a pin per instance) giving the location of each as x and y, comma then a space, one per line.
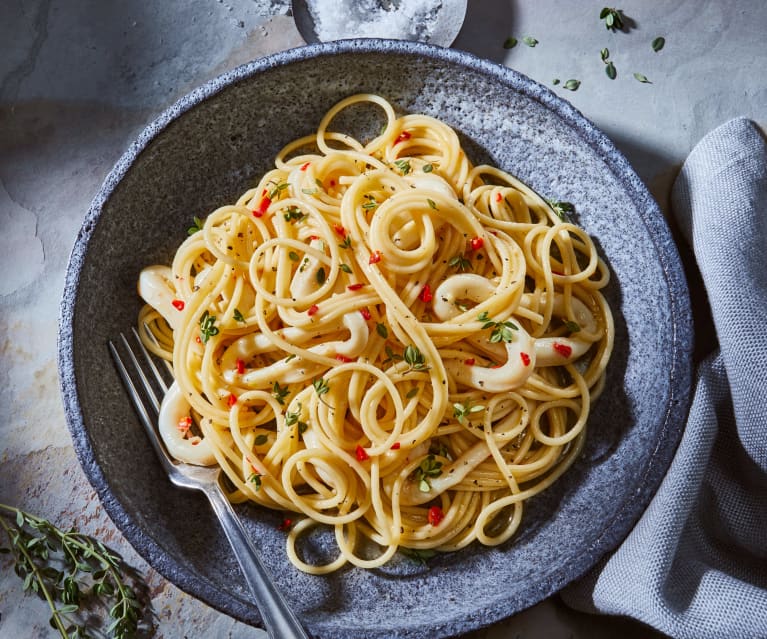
79, 79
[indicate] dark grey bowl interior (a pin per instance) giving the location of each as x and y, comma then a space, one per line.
208, 148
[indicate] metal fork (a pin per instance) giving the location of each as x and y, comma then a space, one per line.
279, 620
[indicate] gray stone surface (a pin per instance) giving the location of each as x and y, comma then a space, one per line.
79, 79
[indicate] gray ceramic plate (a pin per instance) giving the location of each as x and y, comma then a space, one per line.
208, 148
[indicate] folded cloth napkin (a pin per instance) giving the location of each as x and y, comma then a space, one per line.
695, 565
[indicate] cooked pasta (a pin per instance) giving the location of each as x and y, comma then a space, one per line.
383, 338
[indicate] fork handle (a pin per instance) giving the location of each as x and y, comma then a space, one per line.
280, 621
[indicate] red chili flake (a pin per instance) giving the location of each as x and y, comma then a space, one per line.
435, 515
184, 424
305, 166
178, 305
344, 358
525, 359
195, 440
395, 446
563, 349
365, 313
232, 399
340, 230
375, 257
356, 286
469, 362
361, 453
426, 295
476, 243
498, 197
312, 310
332, 182
402, 137
262, 206
314, 237
198, 340
286, 524
240, 367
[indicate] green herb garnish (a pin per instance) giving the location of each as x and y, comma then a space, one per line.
510, 43
427, 168
320, 276
293, 213
642, 78
462, 411
207, 327
382, 330
238, 316
76, 575
460, 262
345, 268
427, 469
280, 392
403, 165
277, 190
502, 331
255, 479
197, 226
613, 18
658, 43
562, 209
414, 359
572, 85
529, 41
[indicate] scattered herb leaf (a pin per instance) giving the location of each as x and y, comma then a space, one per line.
642, 78
572, 85
613, 18
427, 469
207, 327
510, 43
280, 392
529, 41
658, 43
197, 226
462, 411
610, 70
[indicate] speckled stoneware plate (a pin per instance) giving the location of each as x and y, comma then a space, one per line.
208, 148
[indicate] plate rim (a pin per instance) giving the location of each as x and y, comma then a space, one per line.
680, 375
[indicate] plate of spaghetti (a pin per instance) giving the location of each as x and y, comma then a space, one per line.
423, 315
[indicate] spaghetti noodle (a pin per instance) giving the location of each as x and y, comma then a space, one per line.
384, 338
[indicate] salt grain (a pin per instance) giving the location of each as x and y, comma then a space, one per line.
400, 20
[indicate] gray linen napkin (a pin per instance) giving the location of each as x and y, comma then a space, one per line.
695, 566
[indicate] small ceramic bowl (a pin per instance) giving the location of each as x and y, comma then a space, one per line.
211, 146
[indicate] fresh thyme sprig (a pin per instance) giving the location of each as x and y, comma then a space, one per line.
73, 572
502, 331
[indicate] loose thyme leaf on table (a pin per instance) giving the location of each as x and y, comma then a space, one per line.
572, 85
642, 78
613, 18
77, 576
530, 41
510, 43
658, 43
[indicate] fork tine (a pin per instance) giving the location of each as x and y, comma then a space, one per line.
150, 393
138, 402
150, 361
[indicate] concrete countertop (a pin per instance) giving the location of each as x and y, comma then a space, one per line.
79, 79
